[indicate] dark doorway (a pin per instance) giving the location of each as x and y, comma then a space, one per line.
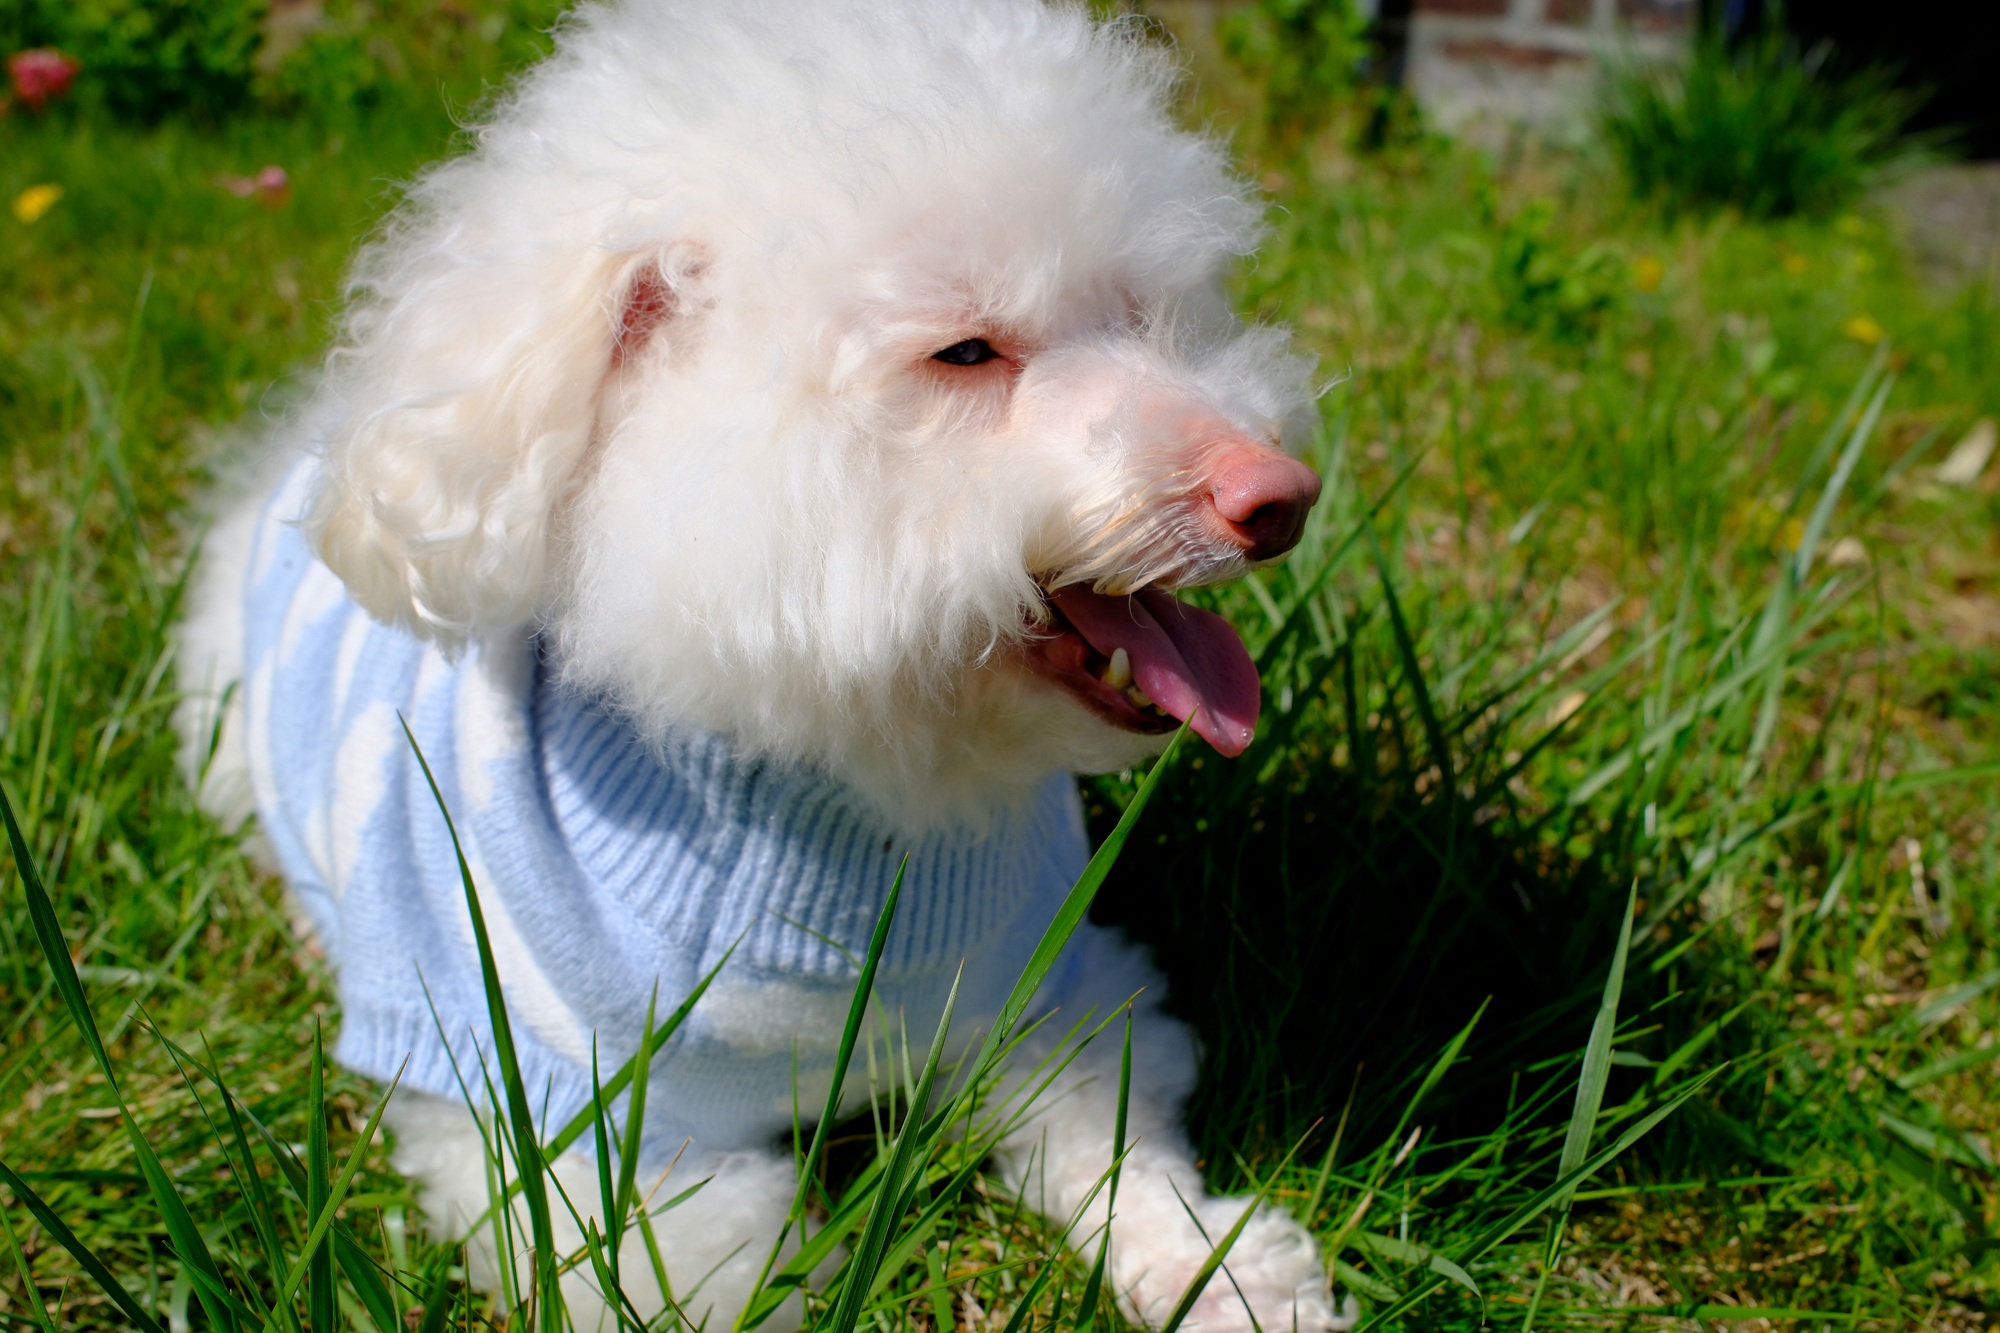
1949, 50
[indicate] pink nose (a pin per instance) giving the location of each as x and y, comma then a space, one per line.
1262, 498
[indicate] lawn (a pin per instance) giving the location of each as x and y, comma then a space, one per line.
1651, 570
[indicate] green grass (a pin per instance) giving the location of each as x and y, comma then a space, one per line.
1759, 126
1633, 576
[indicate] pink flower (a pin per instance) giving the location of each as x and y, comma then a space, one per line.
41, 75
274, 187
269, 187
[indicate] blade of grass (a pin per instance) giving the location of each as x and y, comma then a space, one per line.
1589, 1099
891, 1195
181, 1229
640, 1064
1597, 1052
904, 1246
1353, 1279
978, 1143
1073, 910
1094, 1283
92, 1266
319, 1269
323, 1218
1715, 698
1527, 1212
1311, 1212
257, 1196
1018, 1321
1823, 448
1202, 1231
361, 1270
1403, 1251
1693, 1046
1267, 655
1836, 484
942, 1316
437, 1302
607, 1192
1413, 673
657, 1260
601, 1267
635, 1123
622, 1078
1777, 629
528, 1156
852, 1209
757, 1308
1220, 1252
202, 1284
764, 1302
1383, 1163
41, 1311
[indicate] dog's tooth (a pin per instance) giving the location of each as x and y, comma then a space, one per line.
1138, 697
1118, 674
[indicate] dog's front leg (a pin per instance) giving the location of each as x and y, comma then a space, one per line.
1063, 1148
713, 1244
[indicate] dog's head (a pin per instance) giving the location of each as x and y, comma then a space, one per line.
850, 378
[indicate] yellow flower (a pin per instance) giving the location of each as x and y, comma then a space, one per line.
1795, 264
1863, 329
1647, 272
1790, 534
31, 203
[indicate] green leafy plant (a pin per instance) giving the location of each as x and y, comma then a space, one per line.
1304, 53
148, 58
1564, 292
333, 72
1760, 127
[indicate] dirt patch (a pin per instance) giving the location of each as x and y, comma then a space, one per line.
1949, 217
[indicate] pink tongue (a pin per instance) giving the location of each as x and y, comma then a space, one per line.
1184, 658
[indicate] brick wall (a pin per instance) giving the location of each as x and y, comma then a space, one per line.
1480, 67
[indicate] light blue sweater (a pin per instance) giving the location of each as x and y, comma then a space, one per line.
603, 870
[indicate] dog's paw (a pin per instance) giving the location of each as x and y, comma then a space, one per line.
1272, 1280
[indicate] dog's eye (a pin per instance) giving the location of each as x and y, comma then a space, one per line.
971, 352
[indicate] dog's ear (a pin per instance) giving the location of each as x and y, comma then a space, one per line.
463, 405
650, 300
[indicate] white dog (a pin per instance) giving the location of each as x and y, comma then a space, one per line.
768, 453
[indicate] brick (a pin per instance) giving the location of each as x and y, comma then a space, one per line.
1658, 15
1493, 51
1568, 11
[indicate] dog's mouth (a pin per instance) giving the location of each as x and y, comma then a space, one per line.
1148, 662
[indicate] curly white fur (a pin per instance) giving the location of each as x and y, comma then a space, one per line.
650, 369
760, 519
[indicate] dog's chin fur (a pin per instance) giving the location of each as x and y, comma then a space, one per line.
959, 762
